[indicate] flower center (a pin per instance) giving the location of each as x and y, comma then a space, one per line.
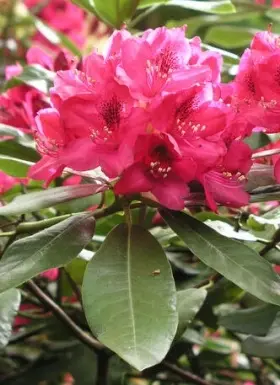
163, 65
159, 162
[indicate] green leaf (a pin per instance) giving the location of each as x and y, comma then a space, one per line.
273, 14
34, 76
268, 346
149, 3
229, 36
18, 136
189, 302
217, 7
56, 37
129, 296
232, 259
256, 320
40, 200
9, 304
88, 5
14, 167
52, 247
115, 12
17, 151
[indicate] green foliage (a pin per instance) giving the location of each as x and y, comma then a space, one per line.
9, 305
52, 247
129, 296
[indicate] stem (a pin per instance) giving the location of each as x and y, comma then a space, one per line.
88, 340
102, 368
213, 279
271, 244
188, 376
73, 285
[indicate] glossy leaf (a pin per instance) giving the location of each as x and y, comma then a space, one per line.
268, 346
52, 247
229, 37
256, 320
149, 3
232, 259
189, 302
33, 76
129, 296
9, 304
17, 151
39, 200
18, 136
115, 12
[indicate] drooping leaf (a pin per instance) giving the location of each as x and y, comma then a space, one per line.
256, 320
268, 346
52, 247
189, 302
17, 151
9, 304
235, 261
39, 200
115, 12
129, 296
34, 76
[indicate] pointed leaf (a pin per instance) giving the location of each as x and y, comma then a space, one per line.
52, 247
39, 200
189, 302
9, 304
217, 7
232, 259
129, 296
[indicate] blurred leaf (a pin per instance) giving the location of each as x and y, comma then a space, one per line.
52, 247
129, 296
88, 5
232, 259
34, 76
228, 231
14, 167
189, 302
15, 150
39, 200
218, 7
115, 12
273, 14
56, 37
260, 175
9, 304
18, 136
256, 320
229, 36
268, 346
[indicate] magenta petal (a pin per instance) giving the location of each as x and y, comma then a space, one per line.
277, 171
171, 193
133, 180
46, 169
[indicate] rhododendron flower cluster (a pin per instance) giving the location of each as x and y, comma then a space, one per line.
152, 114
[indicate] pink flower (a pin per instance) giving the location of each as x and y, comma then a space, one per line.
51, 274
160, 58
7, 182
160, 168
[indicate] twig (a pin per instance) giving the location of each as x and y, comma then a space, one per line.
63, 317
102, 368
214, 278
185, 374
143, 15
271, 244
73, 284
